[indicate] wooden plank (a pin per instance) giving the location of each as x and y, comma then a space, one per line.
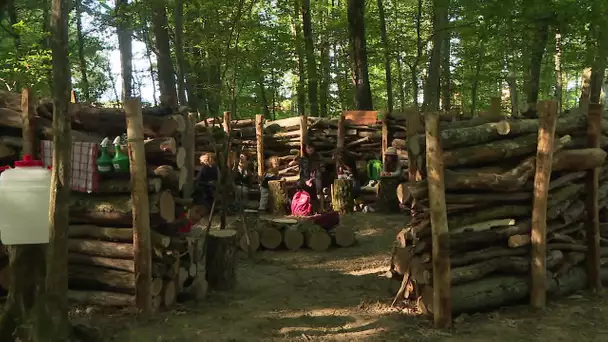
442, 292
142, 241
542, 177
361, 117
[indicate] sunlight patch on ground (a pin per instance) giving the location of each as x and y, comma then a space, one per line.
329, 324
376, 270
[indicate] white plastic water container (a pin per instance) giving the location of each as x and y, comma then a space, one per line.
25, 193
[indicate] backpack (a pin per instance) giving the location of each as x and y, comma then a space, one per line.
374, 169
301, 204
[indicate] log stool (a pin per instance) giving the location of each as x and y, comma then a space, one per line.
222, 259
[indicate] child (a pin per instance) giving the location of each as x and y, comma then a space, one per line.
242, 180
346, 168
311, 169
272, 173
205, 183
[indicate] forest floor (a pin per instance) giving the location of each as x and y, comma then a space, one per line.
341, 295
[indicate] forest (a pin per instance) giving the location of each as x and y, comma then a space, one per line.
282, 58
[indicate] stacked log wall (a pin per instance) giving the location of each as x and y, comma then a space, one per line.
489, 184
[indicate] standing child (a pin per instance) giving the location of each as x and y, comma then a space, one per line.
272, 173
205, 183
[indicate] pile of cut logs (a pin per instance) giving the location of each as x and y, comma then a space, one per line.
288, 234
489, 186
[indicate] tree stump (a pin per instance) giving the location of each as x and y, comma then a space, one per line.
293, 239
342, 196
221, 259
343, 236
387, 201
254, 241
277, 197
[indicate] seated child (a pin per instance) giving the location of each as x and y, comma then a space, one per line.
242, 181
271, 173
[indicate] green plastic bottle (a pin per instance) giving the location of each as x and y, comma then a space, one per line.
120, 160
104, 163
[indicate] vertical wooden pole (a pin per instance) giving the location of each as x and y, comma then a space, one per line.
259, 137
594, 122
385, 141
227, 122
542, 177
341, 132
413, 125
142, 250
442, 281
495, 106
188, 142
29, 125
303, 132
73, 97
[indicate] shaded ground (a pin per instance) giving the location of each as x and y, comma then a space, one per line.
339, 296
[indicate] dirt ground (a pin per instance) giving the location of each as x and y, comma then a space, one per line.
340, 295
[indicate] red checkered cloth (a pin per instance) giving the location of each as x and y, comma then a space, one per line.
85, 177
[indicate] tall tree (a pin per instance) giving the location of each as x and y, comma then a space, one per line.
538, 16
84, 82
356, 30
57, 257
387, 56
124, 45
431, 90
179, 51
311, 65
301, 84
166, 73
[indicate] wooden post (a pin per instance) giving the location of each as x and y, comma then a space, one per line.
28, 116
227, 122
495, 106
303, 132
259, 137
594, 122
413, 125
542, 177
341, 132
385, 141
188, 142
73, 97
142, 249
442, 281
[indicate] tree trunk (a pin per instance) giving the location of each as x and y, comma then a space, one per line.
311, 65
148, 43
431, 89
558, 71
387, 57
166, 74
84, 82
540, 35
263, 98
481, 54
124, 45
57, 253
446, 97
301, 95
401, 85
326, 78
419, 46
356, 29
179, 51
